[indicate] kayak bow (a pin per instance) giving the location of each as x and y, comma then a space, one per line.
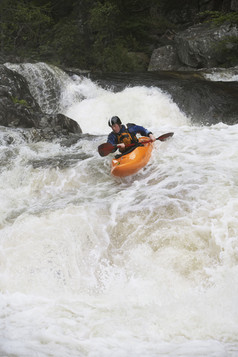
129, 164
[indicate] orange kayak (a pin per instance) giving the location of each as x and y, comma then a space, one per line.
132, 162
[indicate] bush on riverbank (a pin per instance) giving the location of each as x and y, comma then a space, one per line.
111, 35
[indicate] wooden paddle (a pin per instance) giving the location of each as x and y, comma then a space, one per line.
107, 148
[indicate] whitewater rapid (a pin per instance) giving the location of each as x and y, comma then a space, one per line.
92, 265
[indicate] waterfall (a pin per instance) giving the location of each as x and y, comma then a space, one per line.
45, 82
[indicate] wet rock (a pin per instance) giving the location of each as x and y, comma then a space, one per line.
197, 46
165, 58
18, 109
205, 102
200, 46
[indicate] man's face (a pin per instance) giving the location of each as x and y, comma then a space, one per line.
116, 128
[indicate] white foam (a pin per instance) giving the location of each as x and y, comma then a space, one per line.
149, 107
91, 265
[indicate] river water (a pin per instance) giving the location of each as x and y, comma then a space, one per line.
97, 266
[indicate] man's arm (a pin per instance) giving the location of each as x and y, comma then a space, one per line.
112, 139
135, 129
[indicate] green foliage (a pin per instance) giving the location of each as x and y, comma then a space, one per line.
218, 18
20, 101
116, 58
22, 26
104, 18
117, 28
107, 35
136, 32
227, 49
67, 44
169, 5
92, 34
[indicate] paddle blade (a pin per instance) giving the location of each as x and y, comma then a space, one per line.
165, 136
105, 149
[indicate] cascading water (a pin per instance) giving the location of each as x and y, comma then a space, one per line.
91, 265
45, 83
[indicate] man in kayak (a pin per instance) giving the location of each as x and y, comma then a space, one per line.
122, 135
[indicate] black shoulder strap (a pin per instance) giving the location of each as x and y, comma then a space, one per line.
133, 136
130, 124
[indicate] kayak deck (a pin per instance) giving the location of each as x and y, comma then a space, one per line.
132, 162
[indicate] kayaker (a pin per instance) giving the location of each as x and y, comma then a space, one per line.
122, 135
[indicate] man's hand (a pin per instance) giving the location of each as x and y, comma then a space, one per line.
151, 136
121, 146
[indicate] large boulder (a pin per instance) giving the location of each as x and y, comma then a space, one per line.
200, 46
197, 46
165, 58
17, 106
18, 109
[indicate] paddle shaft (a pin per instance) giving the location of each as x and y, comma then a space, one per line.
107, 148
161, 138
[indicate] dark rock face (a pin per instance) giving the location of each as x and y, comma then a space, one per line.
206, 102
165, 57
17, 107
20, 110
234, 5
203, 101
194, 48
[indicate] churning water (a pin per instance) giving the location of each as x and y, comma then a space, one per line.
145, 266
